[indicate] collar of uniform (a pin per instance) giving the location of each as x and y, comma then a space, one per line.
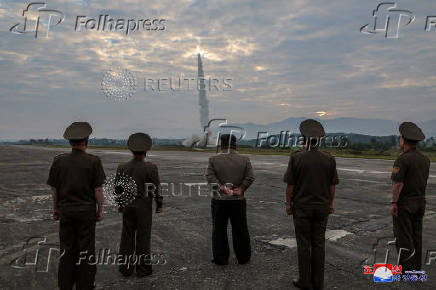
77, 151
311, 148
227, 151
410, 149
137, 160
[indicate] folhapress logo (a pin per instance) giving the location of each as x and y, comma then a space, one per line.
40, 20
37, 18
388, 20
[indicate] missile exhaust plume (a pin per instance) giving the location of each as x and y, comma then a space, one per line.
202, 99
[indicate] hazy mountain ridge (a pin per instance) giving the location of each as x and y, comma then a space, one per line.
346, 125
372, 127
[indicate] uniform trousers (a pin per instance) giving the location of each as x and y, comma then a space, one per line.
77, 246
136, 237
310, 226
407, 228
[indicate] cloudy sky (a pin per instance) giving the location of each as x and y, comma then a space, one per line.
285, 59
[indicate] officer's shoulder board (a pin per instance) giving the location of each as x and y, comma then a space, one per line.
328, 154
396, 168
150, 164
60, 156
92, 156
296, 152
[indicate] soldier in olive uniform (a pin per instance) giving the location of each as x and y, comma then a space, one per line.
137, 216
409, 176
234, 174
76, 180
311, 177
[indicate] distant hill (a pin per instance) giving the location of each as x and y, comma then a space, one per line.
371, 127
358, 126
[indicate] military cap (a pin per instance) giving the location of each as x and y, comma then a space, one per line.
411, 132
311, 128
139, 142
78, 131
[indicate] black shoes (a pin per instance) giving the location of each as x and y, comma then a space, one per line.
144, 274
126, 273
298, 285
243, 262
139, 274
220, 263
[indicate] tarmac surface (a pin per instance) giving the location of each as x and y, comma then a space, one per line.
360, 226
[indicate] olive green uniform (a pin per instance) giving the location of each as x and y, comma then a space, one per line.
230, 168
411, 168
311, 173
137, 216
75, 176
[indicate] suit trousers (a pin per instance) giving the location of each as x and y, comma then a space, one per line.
236, 211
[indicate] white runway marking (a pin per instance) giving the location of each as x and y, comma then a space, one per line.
334, 235
330, 235
364, 180
119, 152
39, 198
364, 171
287, 242
361, 171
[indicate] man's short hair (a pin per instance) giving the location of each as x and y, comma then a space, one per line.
313, 141
77, 142
410, 142
228, 139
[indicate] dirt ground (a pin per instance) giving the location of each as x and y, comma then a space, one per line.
182, 233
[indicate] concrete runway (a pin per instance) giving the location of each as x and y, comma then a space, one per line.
182, 233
